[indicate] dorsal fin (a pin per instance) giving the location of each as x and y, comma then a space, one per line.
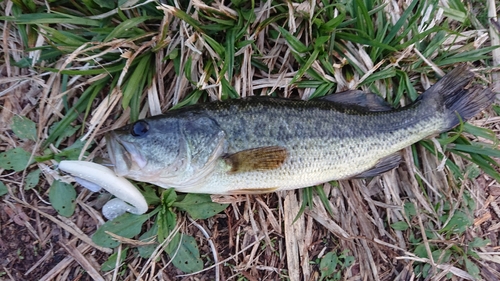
255, 159
370, 101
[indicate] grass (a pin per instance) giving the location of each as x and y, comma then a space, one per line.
71, 71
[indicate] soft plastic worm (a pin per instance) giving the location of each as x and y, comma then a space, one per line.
107, 179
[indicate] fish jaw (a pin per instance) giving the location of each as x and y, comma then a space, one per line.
124, 156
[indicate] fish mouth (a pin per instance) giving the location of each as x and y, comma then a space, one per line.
124, 155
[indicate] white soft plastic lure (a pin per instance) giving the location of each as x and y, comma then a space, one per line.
91, 175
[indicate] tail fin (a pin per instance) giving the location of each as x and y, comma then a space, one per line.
450, 94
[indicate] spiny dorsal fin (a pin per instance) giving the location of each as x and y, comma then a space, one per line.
370, 101
257, 159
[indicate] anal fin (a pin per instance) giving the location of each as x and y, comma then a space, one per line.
257, 159
253, 190
383, 165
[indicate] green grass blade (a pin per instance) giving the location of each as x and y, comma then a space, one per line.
123, 30
294, 42
218, 48
307, 201
332, 24
364, 22
229, 52
64, 38
54, 18
227, 90
455, 170
187, 18
481, 132
380, 75
483, 164
324, 199
355, 19
417, 38
476, 148
400, 23
137, 80
265, 23
306, 66
189, 100
309, 84
80, 105
473, 55
455, 14
104, 69
322, 90
223, 23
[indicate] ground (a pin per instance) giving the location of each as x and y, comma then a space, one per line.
432, 218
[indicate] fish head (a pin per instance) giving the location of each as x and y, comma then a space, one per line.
145, 148
169, 151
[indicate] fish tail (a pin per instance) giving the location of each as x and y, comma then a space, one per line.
458, 102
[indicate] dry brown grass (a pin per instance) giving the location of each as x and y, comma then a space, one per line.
256, 237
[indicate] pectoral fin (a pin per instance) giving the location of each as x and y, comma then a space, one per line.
385, 164
257, 159
369, 101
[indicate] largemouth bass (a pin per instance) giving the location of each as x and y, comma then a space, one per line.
263, 144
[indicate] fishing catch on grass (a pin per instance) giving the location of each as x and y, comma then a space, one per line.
263, 144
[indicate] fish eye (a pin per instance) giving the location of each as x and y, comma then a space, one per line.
139, 128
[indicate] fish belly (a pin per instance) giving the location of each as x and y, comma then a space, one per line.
314, 157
